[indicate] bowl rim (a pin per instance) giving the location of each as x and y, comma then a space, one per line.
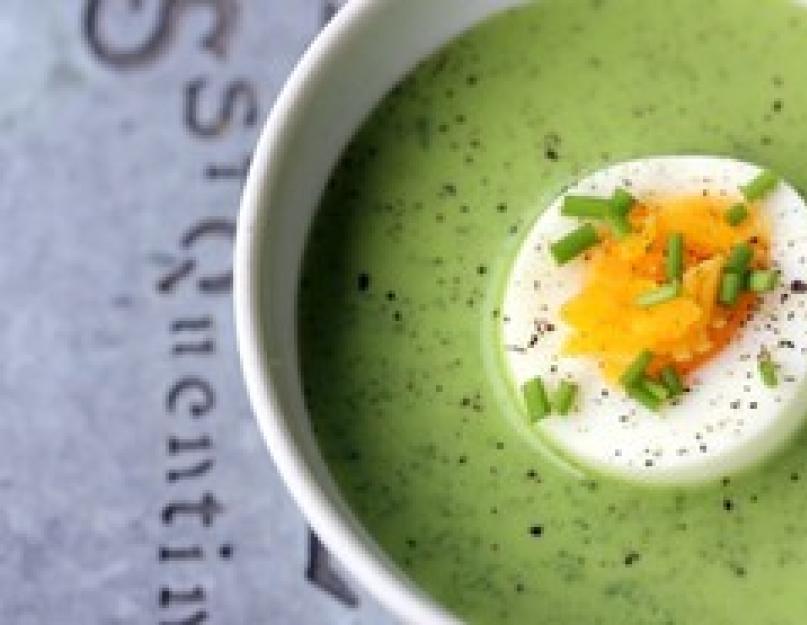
388, 586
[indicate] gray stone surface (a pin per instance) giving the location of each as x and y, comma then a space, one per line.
106, 150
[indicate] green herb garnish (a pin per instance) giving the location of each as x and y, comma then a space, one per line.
760, 186
635, 372
660, 295
574, 244
740, 256
585, 207
730, 286
763, 280
658, 390
767, 369
644, 396
565, 396
613, 210
675, 257
620, 225
737, 214
622, 202
670, 378
535, 397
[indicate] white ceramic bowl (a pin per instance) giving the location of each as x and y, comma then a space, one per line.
365, 50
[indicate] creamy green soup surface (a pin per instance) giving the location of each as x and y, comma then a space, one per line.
400, 297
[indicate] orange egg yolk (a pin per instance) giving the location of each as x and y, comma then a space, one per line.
606, 322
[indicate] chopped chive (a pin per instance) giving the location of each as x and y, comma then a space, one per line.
574, 244
635, 372
671, 379
763, 280
613, 210
745, 279
737, 214
658, 390
535, 397
622, 202
660, 295
564, 397
644, 396
620, 225
760, 186
768, 372
585, 207
740, 256
730, 285
675, 256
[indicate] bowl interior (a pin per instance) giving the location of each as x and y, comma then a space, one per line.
369, 46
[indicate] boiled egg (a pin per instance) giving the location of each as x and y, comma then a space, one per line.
581, 321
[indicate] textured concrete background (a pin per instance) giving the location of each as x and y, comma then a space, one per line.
134, 487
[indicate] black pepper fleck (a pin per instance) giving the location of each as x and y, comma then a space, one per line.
226, 551
798, 286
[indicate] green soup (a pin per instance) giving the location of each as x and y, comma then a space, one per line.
399, 297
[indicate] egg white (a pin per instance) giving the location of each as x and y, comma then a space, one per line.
730, 419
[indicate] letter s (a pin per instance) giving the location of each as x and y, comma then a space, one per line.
237, 91
167, 20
